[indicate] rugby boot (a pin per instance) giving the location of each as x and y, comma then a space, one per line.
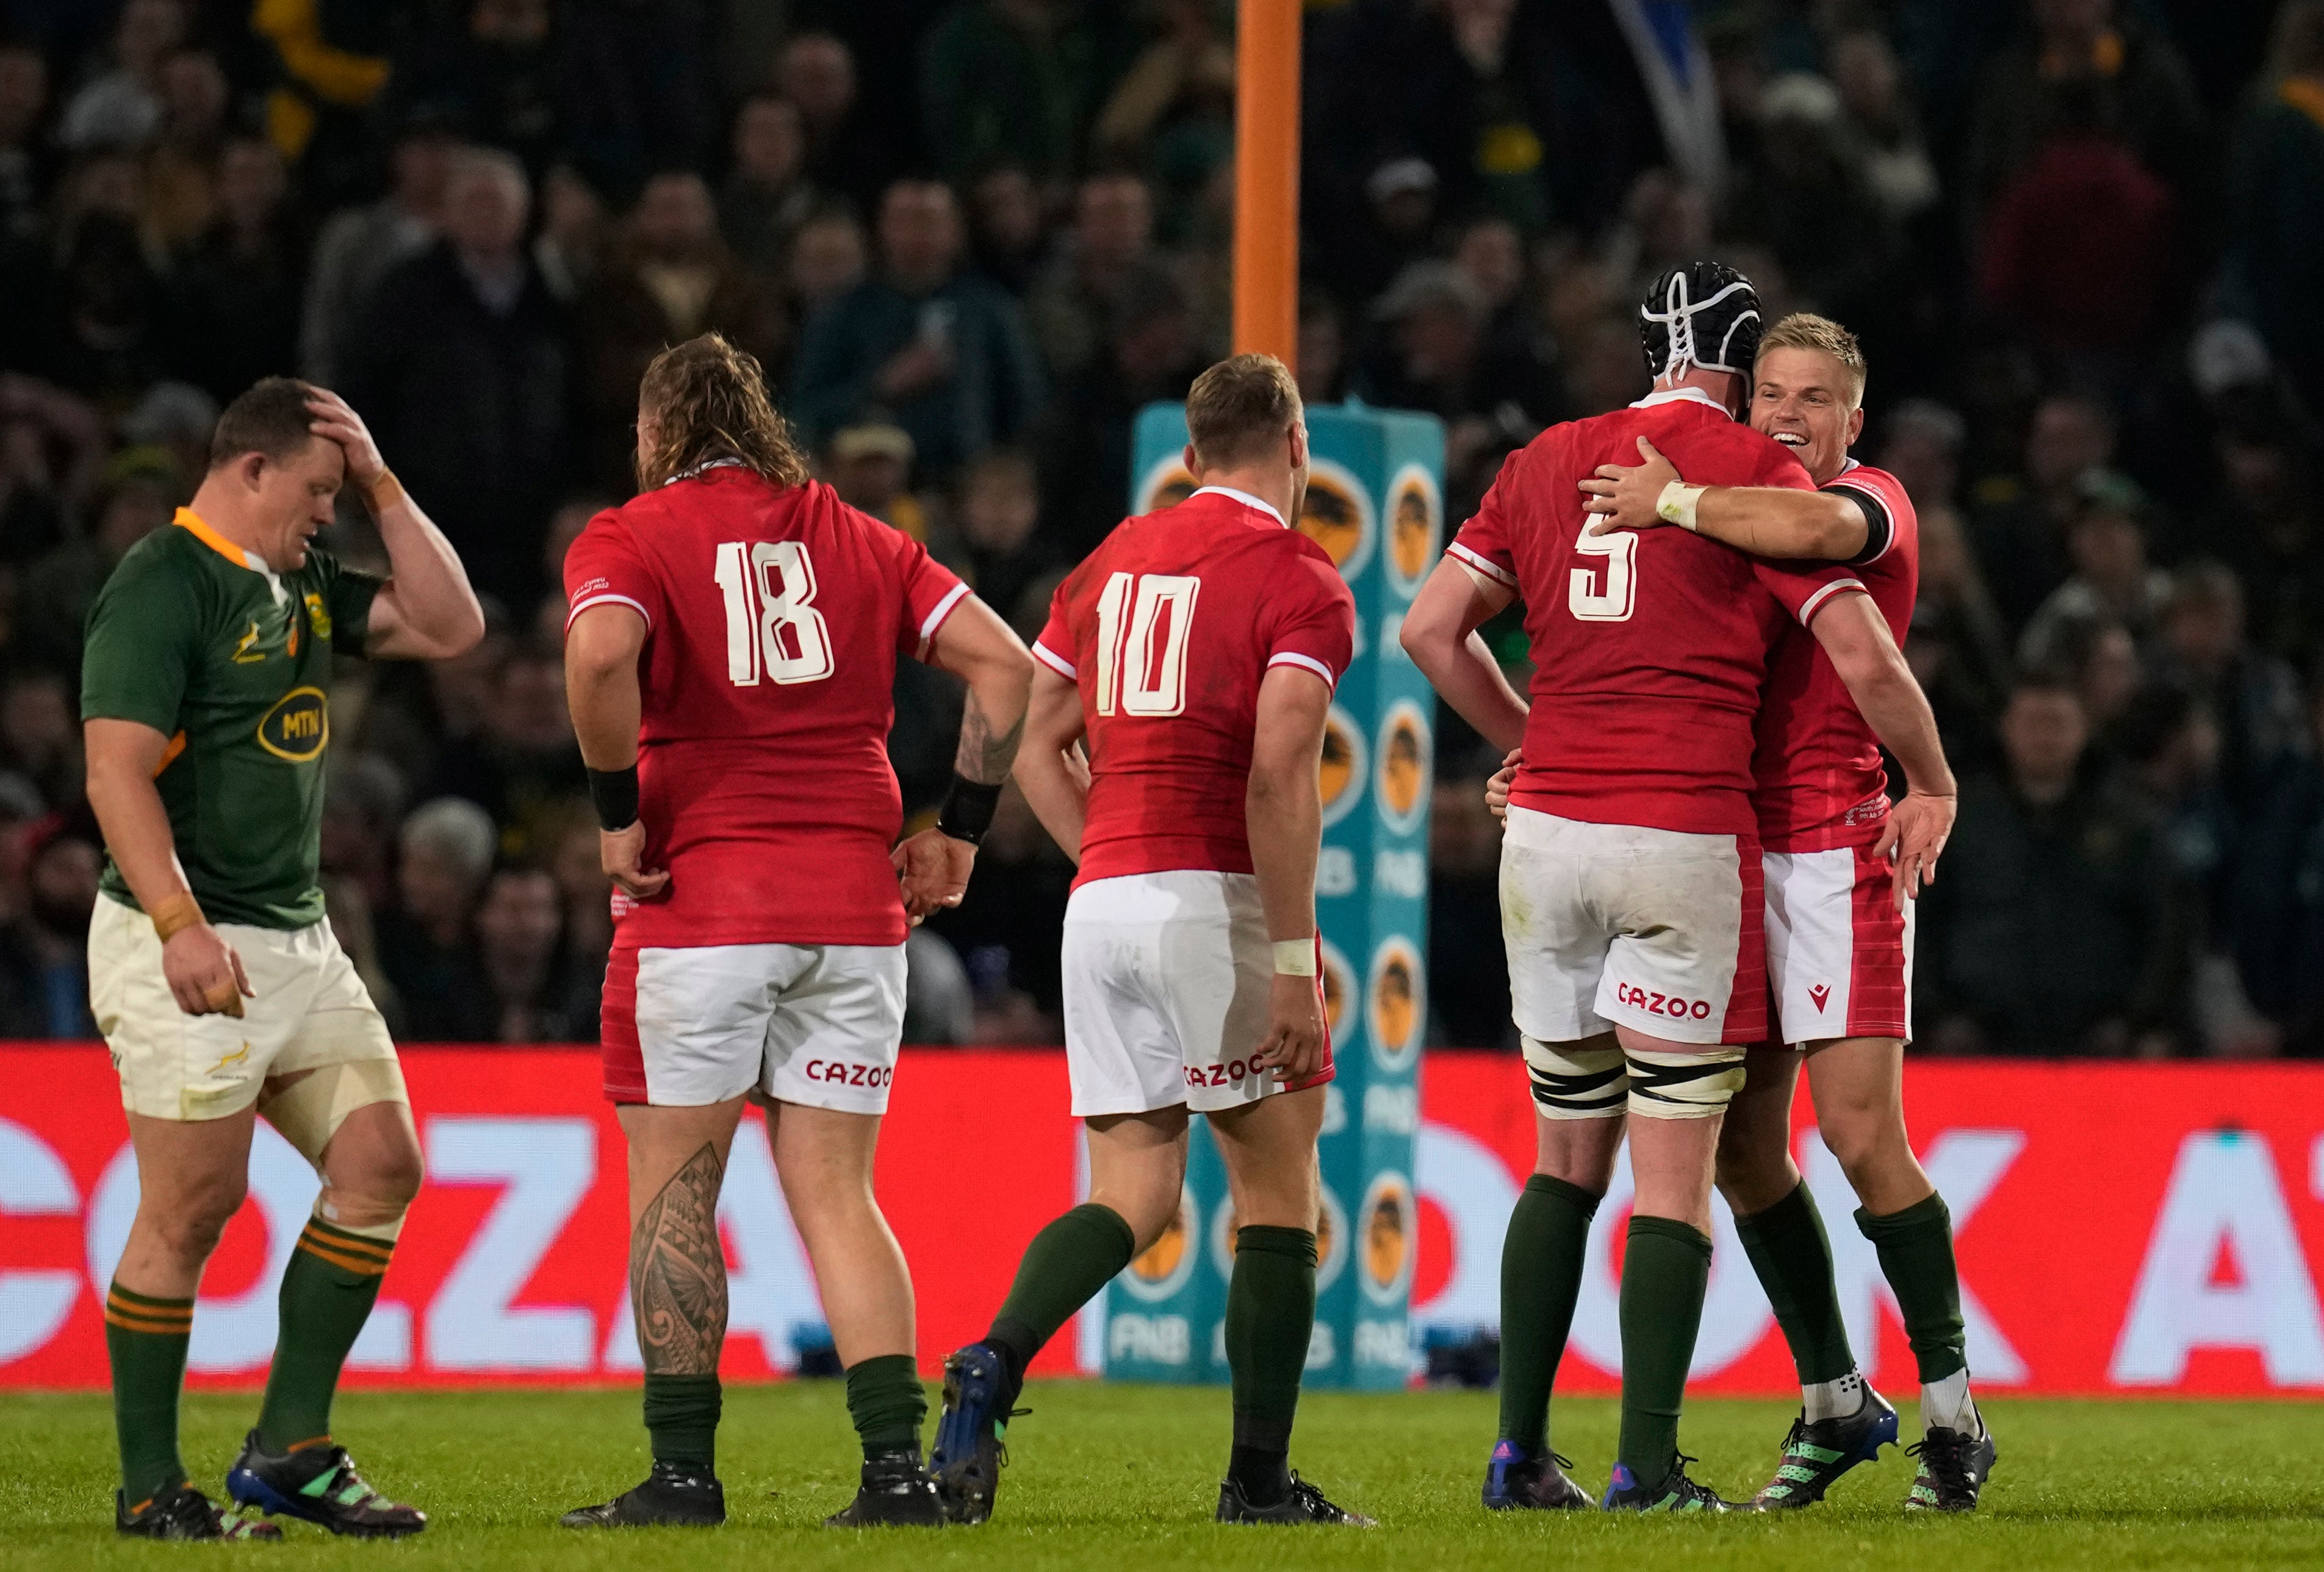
183, 1513
1676, 1494
1816, 1455
1303, 1503
896, 1492
1519, 1480
318, 1484
971, 1433
672, 1495
1953, 1469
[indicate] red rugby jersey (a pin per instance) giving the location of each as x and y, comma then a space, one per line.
773, 620
1168, 628
1649, 646
1820, 780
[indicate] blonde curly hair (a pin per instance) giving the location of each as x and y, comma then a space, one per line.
708, 400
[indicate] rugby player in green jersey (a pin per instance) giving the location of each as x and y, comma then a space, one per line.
205, 702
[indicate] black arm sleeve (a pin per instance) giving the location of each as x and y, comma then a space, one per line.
1879, 529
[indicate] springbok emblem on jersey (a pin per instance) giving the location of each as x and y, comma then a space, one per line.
246, 651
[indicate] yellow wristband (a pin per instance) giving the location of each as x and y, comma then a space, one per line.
384, 493
176, 913
1294, 957
1677, 504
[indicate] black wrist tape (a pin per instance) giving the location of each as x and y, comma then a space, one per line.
967, 812
615, 793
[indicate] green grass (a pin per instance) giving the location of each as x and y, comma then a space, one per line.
1126, 1477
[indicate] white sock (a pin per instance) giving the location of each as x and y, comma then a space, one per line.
1833, 1400
1946, 1405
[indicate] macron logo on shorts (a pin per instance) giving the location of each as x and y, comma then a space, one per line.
1820, 993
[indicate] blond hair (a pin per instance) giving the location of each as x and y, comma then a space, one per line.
1806, 330
1239, 407
708, 401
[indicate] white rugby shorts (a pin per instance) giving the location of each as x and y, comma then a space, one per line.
310, 1010
818, 1025
1613, 924
1839, 954
1167, 980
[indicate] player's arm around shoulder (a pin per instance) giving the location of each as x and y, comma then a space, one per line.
426, 611
974, 644
1767, 521
1855, 637
1284, 813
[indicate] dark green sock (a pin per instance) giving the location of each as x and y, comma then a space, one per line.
682, 1418
1270, 1317
1664, 1276
146, 1339
327, 1291
1792, 1254
1916, 1256
1541, 1278
1063, 1269
888, 1403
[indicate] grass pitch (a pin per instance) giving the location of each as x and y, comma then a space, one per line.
1126, 1477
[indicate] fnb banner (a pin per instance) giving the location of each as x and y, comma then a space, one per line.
2121, 1227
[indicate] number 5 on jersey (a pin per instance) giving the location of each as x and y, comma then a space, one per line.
1141, 669
771, 622
1614, 604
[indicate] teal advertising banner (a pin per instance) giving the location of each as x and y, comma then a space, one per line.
1375, 502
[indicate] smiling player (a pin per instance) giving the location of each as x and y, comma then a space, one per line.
212, 974
1838, 946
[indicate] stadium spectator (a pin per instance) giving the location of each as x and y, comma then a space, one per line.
2276, 904
182, 170
853, 150
492, 67
44, 950
2112, 581
2054, 928
1005, 929
1897, 168
121, 106
574, 229
671, 277
2253, 696
1002, 555
870, 468
767, 195
2020, 522
945, 354
1173, 111
1020, 80
1005, 229
26, 162
522, 765
1436, 355
2136, 85
516, 983
445, 850
2273, 272
2262, 523
38, 724
827, 261
1468, 966
360, 246
140, 492
462, 366
234, 290
1110, 247
1154, 352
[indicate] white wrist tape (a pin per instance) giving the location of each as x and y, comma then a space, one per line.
1294, 957
1677, 504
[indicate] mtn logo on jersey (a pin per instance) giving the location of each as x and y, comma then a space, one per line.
1821, 993
297, 725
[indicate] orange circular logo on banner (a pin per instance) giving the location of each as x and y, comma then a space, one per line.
1404, 766
1340, 773
1397, 1013
1387, 1223
1416, 512
1165, 485
1163, 1268
1337, 515
1339, 987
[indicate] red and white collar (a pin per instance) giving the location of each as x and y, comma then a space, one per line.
1669, 395
1243, 497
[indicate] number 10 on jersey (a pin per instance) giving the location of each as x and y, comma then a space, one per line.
771, 622
1141, 670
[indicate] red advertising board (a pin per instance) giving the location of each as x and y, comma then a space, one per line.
2122, 1228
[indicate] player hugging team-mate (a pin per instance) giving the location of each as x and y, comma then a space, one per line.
1631, 895
731, 651
1195, 651
217, 982
1839, 938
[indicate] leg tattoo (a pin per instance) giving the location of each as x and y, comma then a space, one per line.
677, 1271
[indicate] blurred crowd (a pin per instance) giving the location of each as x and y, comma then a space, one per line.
2082, 240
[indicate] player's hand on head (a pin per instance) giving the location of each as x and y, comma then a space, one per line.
204, 972
1913, 838
336, 420
1496, 789
1627, 496
932, 870
1294, 1048
621, 854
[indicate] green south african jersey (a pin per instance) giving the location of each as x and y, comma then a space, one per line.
233, 665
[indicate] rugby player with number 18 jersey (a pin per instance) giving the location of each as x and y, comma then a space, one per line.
730, 652
1840, 940
1194, 652
1630, 866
